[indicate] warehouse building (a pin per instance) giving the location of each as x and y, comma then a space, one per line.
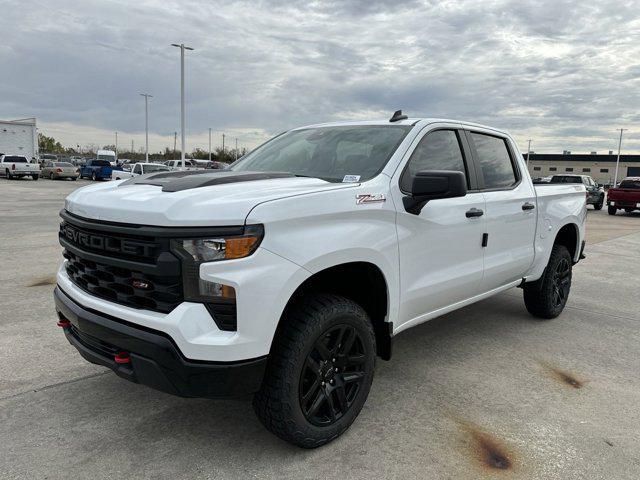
601, 168
19, 137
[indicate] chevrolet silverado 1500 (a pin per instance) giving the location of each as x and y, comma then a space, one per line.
288, 274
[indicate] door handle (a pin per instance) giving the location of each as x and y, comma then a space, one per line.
474, 212
528, 206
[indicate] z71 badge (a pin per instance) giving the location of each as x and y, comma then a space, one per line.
370, 198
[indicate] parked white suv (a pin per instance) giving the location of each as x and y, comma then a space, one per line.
288, 274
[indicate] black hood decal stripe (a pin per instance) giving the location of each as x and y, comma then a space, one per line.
186, 180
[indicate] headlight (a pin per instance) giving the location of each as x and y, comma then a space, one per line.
194, 251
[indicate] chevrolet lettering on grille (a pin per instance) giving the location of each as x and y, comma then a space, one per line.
106, 243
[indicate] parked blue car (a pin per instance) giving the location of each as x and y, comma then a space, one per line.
96, 170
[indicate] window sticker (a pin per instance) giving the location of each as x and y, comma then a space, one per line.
351, 178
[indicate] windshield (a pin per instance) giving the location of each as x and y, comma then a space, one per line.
630, 184
336, 154
155, 168
108, 158
46, 156
15, 159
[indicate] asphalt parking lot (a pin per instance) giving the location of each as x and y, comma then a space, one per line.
484, 387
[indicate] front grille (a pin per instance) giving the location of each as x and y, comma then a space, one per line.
124, 286
121, 263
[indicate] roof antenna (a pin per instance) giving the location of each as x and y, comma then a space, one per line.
397, 116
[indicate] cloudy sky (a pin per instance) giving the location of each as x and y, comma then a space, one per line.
565, 74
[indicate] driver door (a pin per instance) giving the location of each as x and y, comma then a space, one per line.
440, 248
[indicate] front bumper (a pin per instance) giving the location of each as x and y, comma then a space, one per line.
154, 359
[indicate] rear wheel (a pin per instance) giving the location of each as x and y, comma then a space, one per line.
35, 177
7, 173
320, 371
612, 210
546, 297
94, 177
51, 177
598, 206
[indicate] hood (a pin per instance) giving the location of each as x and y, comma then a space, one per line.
198, 200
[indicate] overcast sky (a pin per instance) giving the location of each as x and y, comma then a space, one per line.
565, 74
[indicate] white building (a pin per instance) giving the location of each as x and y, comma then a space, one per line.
19, 137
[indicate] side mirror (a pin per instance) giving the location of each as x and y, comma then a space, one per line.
432, 185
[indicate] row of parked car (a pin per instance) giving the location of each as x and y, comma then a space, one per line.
18, 166
625, 196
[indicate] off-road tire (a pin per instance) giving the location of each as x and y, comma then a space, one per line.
278, 404
540, 296
612, 210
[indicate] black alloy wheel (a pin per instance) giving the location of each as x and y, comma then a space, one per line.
561, 282
332, 374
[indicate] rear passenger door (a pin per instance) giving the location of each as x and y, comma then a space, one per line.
510, 214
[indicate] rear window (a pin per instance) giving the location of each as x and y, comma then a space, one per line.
100, 163
15, 159
565, 179
495, 161
63, 164
630, 184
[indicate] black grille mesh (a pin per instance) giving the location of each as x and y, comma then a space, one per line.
161, 294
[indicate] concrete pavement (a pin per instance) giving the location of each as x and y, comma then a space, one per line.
486, 391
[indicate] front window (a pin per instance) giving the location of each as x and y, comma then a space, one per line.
335, 154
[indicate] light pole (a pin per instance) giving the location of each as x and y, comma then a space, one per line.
116, 146
236, 148
209, 143
146, 125
528, 152
223, 143
615, 180
182, 48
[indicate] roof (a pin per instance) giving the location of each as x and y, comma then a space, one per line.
581, 157
409, 121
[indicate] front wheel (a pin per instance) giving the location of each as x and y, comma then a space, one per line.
320, 371
612, 210
545, 298
94, 177
7, 173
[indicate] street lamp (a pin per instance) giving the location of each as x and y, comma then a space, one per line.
146, 125
209, 143
182, 48
615, 181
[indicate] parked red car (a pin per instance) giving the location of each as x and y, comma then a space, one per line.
624, 197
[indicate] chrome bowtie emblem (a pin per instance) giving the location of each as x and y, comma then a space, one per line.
370, 198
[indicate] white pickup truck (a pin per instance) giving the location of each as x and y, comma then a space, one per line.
288, 274
18, 166
139, 169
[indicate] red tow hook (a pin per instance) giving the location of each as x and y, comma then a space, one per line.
122, 357
63, 323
